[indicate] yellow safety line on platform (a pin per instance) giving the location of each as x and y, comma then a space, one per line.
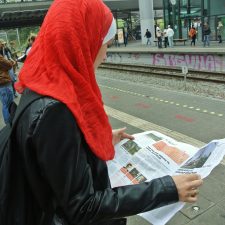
166, 101
146, 126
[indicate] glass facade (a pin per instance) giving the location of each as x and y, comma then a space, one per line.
186, 13
129, 21
181, 15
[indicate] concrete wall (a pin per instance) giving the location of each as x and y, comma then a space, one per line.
206, 62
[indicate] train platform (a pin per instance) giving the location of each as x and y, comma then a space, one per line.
210, 208
126, 107
137, 46
199, 58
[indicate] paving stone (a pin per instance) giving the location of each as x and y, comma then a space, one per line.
196, 209
178, 219
222, 204
213, 189
137, 220
192, 223
211, 201
218, 173
214, 216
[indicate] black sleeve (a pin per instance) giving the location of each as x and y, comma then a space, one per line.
63, 162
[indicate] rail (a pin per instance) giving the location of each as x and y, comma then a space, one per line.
215, 77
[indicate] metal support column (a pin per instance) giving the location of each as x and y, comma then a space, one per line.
179, 20
146, 18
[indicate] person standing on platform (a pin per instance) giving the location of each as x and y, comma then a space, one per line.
159, 36
31, 40
125, 36
148, 35
220, 31
6, 53
14, 54
206, 34
192, 34
64, 139
170, 34
165, 35
6, 91
116, 40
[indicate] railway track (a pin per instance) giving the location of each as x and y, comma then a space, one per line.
166, 72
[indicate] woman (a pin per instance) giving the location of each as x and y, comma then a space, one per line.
65, 139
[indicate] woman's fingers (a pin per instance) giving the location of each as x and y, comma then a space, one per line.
192, 196
124, 135
128, 136
196, 184
119, 134
193, 193
187, 187
192, 199
192, 176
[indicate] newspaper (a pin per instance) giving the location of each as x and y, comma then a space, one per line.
151, 155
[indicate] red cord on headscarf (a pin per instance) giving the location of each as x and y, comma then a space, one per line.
60, 65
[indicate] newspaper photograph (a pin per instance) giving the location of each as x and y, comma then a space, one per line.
207, 158
151, 155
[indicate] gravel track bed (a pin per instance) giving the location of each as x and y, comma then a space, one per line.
195, 87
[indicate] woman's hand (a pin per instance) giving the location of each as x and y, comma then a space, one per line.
187, 187
119, 134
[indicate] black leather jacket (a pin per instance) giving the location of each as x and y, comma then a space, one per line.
54, 166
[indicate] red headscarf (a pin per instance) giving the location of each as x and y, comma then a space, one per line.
60, 65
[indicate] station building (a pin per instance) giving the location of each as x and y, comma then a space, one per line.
136, 16
132, 16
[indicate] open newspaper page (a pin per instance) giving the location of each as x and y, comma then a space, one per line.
206, 158
151, 155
